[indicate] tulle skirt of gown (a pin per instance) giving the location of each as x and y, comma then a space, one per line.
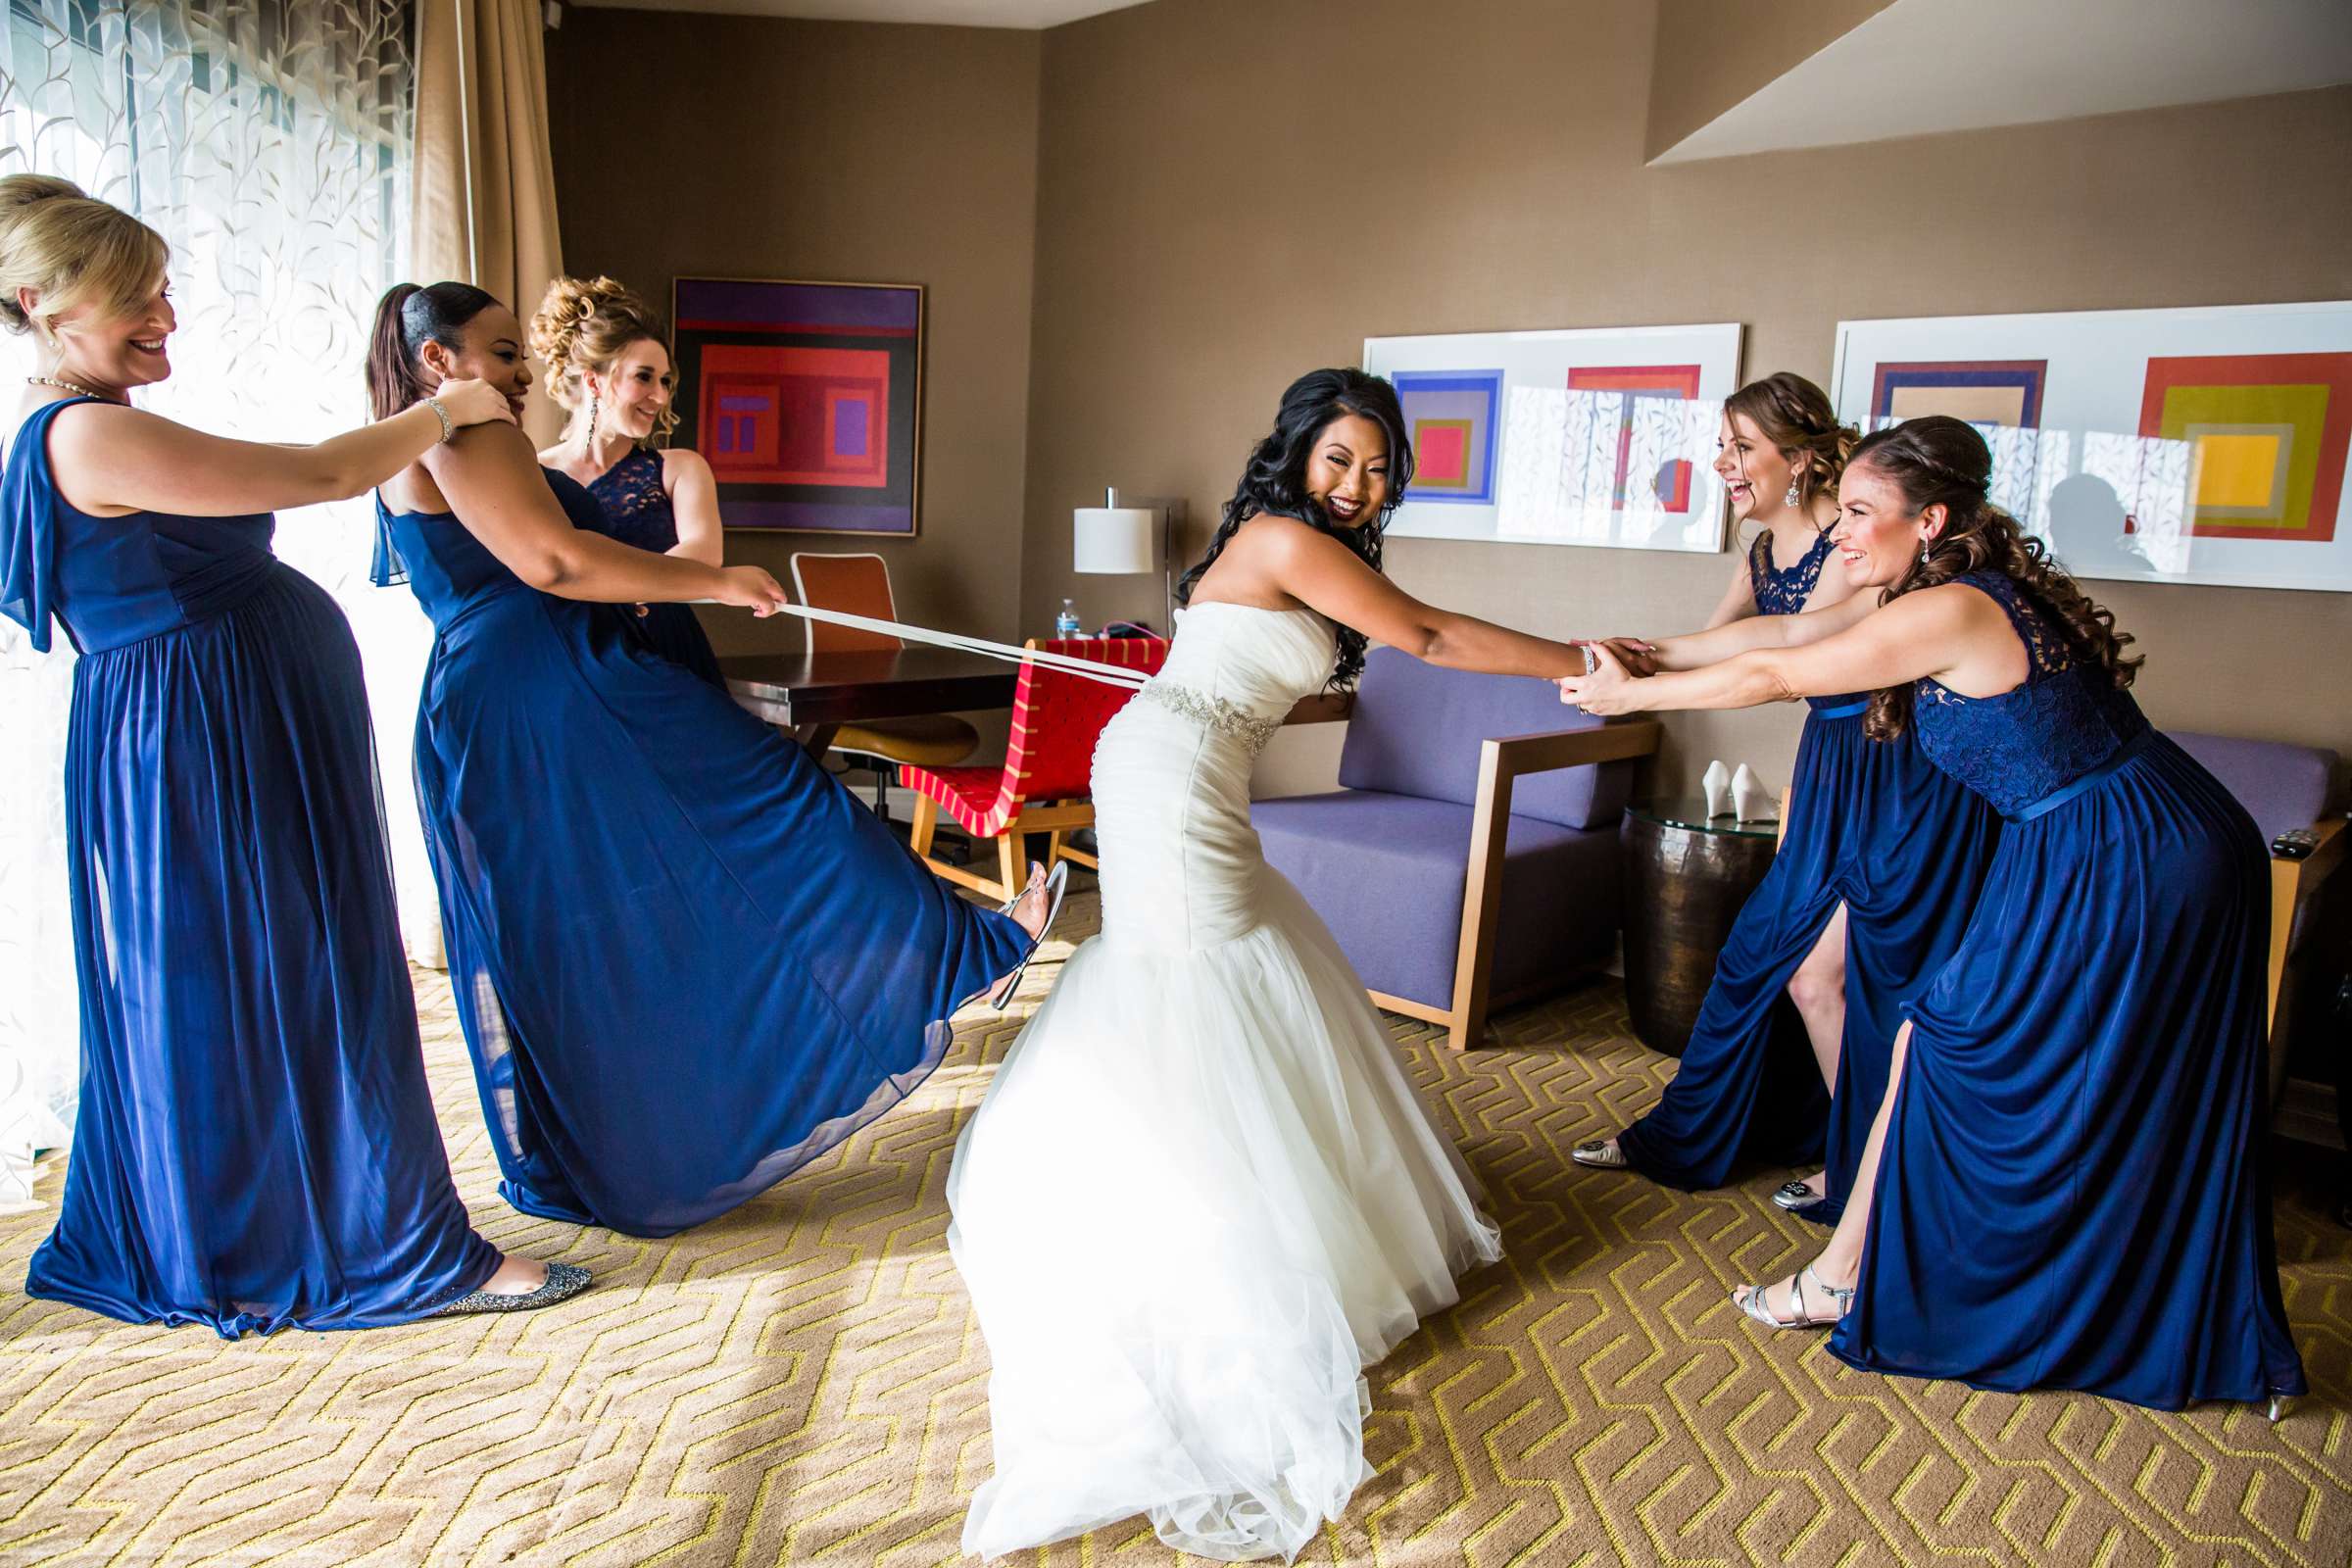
257, 1147
1873, 825
2073, 1193
1200, 1197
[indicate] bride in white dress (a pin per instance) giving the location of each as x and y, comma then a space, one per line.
1202, 1196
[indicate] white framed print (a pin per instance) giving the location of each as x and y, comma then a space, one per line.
1579, 436
2201, 445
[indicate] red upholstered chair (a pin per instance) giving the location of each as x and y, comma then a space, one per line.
859, 585
1044, 784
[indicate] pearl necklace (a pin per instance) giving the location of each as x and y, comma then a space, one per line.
68, 386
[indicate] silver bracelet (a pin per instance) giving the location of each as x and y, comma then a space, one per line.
439, 412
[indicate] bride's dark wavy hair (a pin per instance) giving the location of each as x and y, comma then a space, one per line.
1274, 480
1939, 458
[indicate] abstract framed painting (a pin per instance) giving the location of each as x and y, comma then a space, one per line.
1578, 436
2200, 445
806, 400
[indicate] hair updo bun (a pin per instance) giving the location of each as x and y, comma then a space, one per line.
69, 248
584, 325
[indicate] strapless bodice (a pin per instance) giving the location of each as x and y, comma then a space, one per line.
1182, 869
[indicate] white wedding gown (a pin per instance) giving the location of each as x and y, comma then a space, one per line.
1200, 1196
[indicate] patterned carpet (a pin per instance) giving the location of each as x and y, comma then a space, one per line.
802, 1382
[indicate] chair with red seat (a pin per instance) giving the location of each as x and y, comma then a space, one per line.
859, 585
1044, 784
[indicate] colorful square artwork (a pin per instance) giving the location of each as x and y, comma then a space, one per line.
1998, 392
2267, 433
1450, 417
1670, 486
805, 399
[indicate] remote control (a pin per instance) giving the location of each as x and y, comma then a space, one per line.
2294, 844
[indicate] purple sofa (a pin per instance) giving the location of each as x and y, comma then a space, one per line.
1470, 857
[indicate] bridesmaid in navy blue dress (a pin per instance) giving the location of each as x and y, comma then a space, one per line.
1878, 866
2067, 1185
608, 361
256, 1147
788, 968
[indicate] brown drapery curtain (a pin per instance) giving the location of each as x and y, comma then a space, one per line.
485, 185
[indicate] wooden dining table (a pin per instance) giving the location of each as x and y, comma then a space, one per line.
813, 694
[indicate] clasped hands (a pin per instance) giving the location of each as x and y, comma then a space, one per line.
1611, 665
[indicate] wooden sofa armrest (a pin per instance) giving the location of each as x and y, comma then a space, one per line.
2293, 884
1499, 763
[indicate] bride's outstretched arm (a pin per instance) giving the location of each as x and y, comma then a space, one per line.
1328, 578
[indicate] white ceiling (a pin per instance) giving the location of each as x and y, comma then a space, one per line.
1926, 66
1030, 14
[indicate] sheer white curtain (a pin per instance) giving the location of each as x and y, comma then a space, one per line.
269, 142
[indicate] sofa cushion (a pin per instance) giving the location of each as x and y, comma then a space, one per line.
1418, 730
2281, 786
1386, 872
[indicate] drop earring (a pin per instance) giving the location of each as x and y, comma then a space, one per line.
596, 406
1792, 499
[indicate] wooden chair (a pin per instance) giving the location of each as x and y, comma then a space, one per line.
859, 585
1044, 783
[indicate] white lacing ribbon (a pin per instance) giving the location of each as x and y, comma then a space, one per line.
1083, 668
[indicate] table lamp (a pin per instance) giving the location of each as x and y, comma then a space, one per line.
1126, 541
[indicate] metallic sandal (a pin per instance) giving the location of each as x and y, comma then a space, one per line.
1058, 888
1753, 1303
563, 1281
1795, 1194
1601, 1152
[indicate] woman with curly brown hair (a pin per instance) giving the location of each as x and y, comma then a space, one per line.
608, 361
2066, 1184
1875, 876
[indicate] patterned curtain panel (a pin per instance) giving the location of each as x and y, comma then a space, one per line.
269, 142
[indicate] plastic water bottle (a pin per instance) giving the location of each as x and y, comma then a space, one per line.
1065, 624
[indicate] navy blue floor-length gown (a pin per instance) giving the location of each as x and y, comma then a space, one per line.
636, 511
256, 1147
687, 960
1873, 825
2074, 1192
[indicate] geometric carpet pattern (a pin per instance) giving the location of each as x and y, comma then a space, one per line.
802, 1381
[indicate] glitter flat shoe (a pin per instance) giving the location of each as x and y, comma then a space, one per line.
563, 1281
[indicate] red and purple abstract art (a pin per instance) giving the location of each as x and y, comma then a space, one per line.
806, 399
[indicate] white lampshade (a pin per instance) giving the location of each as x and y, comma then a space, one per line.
1116, 540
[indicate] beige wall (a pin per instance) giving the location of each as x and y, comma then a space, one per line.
752, 147
1713, 54
1232, 192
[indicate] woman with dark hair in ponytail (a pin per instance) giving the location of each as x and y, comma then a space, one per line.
1202, 1196
2066, 1186
1878, 866
787, 967
256, 1147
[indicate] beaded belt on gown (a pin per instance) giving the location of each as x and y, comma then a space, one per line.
1218, 713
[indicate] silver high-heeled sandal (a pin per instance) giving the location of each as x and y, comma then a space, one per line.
1755, 1306
1795, 1194
1601, 1153
1056, 888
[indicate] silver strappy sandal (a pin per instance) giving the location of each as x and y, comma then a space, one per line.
1755, 1306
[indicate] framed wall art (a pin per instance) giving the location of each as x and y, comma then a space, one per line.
806, 400
1585, 436
2201, 445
